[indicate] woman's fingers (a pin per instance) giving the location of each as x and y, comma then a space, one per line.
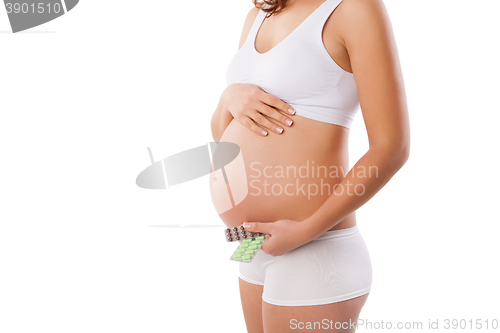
272, 113
249, 123
277, 103
258, 111
260, 119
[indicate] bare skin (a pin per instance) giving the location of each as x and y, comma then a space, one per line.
264, 317
328, 146
358, 36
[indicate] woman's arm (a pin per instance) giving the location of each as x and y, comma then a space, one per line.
369, 40
250, 104
373, 54
222, 117
220, 120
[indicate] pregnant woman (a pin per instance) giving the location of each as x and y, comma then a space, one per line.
303, 69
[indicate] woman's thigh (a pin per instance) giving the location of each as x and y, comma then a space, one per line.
326, 280
251, 302
333, 317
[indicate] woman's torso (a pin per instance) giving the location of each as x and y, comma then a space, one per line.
288, 175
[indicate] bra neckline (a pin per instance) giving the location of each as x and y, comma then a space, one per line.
288, 36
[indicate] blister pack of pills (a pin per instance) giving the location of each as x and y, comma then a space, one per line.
251, 242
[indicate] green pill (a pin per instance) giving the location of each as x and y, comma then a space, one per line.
248, 240
257, 241
237, 255
244, 245
240, 250
246, 257
253, 247
250, 252
261, 238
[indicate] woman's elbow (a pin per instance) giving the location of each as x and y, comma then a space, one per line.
215, 132
401, 154
395, 154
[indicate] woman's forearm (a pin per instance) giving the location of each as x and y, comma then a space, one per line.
220, 120
364, 180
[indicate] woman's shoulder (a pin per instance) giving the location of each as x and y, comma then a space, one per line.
251, 16
247, 26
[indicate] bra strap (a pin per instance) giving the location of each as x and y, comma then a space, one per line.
252, 34
325, 13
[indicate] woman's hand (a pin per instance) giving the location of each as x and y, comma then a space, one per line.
283, 235
253, 107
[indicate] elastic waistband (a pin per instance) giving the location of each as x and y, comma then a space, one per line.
339, 233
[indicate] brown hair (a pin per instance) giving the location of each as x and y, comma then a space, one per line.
273, 6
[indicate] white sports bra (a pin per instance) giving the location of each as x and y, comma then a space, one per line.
300, 71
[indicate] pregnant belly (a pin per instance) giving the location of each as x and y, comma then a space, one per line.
280, 176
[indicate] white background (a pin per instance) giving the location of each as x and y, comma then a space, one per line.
83, 249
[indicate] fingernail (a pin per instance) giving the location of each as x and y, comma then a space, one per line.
289, 122
279, 130
292, 111
264, 132
246, 225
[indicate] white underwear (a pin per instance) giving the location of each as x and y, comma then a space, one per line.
332, 268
